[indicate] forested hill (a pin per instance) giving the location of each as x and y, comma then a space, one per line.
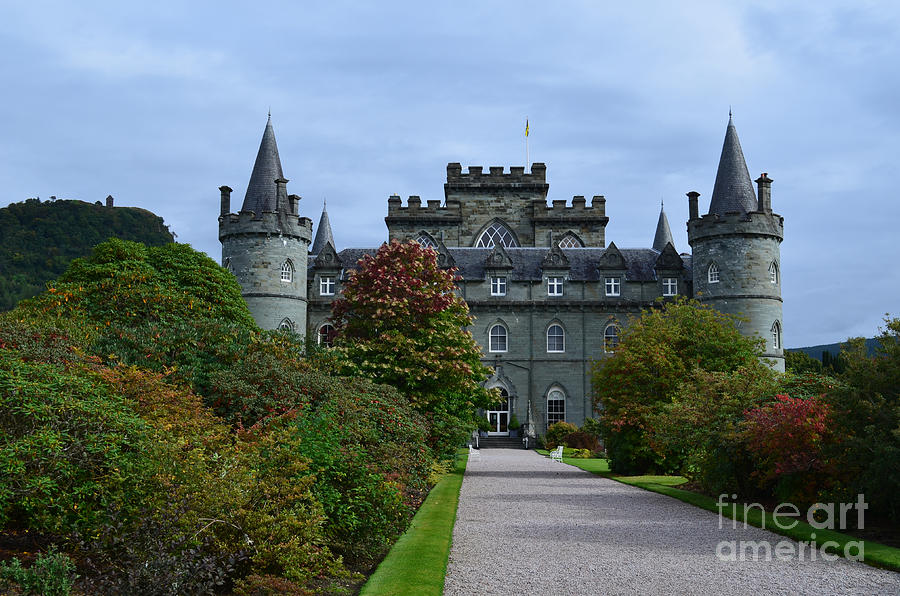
39, 239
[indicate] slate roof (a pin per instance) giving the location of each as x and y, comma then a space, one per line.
663, 233
323, 233
261, 192
733, 191
527, 262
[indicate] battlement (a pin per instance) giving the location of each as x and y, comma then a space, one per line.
755, 223
413, 208
496, 175
579, 210
267, 223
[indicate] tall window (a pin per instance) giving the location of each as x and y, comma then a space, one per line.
611, 338
776, 336
554, 286
613, 286
556, 339
498, 286
495, 234
227, 264
713, 274
773, 272
287, 271
556, 406
497, 340
670, 286
325, 337
326, 285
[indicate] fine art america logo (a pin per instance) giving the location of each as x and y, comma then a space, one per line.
821, 516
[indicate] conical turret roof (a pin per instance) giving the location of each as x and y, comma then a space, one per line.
663, 233
733, 191
261, 191
323, 233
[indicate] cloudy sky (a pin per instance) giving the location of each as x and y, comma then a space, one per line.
160, 105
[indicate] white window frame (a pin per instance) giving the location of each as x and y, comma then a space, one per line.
286, 325
773, 272
326, 285
555, 286
496, 233
557, 338
712, 274
613, 286
287, 272
670, 286
607, 336
322, 334
559, 414
776, 335
504, 337
498, 285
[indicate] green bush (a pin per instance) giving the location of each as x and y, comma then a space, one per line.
580, 453
52, 574
557, 433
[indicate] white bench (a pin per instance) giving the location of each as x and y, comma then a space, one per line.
556, 454
474, 454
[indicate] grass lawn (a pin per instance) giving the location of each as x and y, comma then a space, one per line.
878, 555
417, 562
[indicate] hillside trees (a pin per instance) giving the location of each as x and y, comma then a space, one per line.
400, 322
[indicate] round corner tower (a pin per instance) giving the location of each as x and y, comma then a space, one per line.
736, 254
266, 244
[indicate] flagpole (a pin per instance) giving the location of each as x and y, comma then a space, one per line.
526, 145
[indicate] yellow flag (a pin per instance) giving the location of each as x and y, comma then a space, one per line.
526, 127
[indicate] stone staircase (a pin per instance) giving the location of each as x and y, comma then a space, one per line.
500, 443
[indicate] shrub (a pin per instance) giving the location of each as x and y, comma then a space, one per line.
581, 453
557, 433
582, 440
52, 574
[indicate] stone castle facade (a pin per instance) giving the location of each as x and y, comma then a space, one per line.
549, 296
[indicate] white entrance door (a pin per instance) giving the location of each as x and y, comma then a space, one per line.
498, 416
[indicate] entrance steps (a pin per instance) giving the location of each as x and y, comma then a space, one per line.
500, 443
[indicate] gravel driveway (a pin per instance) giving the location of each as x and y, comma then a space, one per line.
526, 525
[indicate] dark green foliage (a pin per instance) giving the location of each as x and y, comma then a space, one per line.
801, 362
39, 240
52, 574
557, 433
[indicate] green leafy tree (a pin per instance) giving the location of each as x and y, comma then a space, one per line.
657, 351
801, 362
400, 322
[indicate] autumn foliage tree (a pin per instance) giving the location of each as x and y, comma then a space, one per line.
400, 322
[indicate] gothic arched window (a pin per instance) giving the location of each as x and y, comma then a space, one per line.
556, 338
773, 272
286, 325
496, 234
287, 271
713, 274
776, 336
570, 240
426, 241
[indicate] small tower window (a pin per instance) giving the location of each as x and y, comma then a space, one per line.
287, 271
611, 338
496, 234
498, 339
773, 272
713, 274
556, 406
556, 339
325, 336
613, 286
670, 286
776, 336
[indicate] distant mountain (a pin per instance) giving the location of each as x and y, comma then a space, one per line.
38, 240
835, 349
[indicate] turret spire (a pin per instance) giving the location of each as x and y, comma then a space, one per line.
261, 191
733, 191
323, 233
663, 233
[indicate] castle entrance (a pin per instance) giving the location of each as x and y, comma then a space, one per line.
498, 416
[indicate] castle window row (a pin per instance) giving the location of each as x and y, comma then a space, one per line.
498, 338
712, 273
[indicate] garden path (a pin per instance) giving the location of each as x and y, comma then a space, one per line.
526, 525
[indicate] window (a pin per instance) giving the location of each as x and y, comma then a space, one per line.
611, 338
773, 272
495, 234
498, 286
497, 339
613, 286
554, 286
325, 337
776, 336
286, 325
287, 271
326, 285
556, 406
670, 286
556, 339
227, 265
570, 241
713, 274
426, 241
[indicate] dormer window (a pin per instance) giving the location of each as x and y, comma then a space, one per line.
496, 234
554, 286
613, 286
713, 274
287, 271
670, 286
326, 285
773, 272
498, 286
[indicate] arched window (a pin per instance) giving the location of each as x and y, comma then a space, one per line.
495, 234
497, 340
611, 338
570, 240
286, 325
776, 336
287, 271
227, 265
325, 336
713, 274
773, 272
556, 406
426, 241
556, 338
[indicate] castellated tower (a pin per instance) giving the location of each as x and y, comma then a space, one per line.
266, 244
736, 250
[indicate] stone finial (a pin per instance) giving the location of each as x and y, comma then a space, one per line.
764, 184
225, 200
693, 207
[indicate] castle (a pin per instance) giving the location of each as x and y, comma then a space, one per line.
547, 293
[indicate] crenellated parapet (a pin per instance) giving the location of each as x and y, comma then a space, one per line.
433, 209
561, 211
476, 184
755, 223
248, 223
